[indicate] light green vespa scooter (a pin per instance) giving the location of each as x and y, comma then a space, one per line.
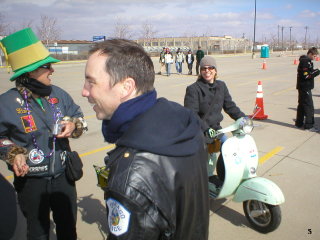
261, 197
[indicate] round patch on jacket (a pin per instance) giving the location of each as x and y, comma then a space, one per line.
36, 156
118, 217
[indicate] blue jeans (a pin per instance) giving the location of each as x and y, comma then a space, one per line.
168, 68
179, 67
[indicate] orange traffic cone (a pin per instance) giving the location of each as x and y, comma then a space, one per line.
258, 112
295, 62
264, 64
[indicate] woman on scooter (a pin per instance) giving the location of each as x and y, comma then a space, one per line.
207, 97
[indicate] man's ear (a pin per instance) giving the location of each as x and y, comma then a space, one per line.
128, 88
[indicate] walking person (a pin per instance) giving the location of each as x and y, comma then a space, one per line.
168, 60
33, 151
189, 61
305, 83
179, 59
199, 56
161, 60
157, 184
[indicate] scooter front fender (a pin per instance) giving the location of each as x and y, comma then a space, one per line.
260, 189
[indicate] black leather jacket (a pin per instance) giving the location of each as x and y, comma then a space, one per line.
152, 195
306, 73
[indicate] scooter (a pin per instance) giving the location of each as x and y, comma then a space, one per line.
261, 197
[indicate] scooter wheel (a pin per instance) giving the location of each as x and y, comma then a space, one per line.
262, 216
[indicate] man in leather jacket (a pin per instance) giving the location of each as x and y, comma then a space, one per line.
305, 83
157, 185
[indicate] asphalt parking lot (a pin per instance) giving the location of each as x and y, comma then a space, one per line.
290, 156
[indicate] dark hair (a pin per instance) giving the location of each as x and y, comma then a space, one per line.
313, 51
126, 58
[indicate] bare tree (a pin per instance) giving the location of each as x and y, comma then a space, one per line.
27, 24
4, 26
48, 30
122, 30
148, 33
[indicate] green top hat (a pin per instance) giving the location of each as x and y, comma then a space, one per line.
25, 52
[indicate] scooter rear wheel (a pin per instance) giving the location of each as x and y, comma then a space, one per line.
262, 216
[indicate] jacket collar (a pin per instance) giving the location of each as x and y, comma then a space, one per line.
204, 85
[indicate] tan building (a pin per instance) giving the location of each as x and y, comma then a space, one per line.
210, 45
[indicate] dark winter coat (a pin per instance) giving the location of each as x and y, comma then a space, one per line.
306, 73
208, 101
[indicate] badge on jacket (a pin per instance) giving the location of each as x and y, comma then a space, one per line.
28, 123
118, 217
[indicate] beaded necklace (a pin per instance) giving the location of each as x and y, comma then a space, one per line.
35, 144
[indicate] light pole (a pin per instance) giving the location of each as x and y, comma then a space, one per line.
290, 42
254, 27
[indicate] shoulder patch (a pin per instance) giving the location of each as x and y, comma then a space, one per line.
118, 217
53, 100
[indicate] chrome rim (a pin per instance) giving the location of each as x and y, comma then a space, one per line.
259, 213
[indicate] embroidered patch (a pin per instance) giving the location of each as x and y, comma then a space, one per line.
28, 123
118, 217
36, 156
20, 101
5, 142
53, 100
22, 111
43, 168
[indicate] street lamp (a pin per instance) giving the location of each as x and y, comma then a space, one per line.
254, 27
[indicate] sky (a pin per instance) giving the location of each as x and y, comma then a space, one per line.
83, 19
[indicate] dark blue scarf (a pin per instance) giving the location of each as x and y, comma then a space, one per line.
113, 129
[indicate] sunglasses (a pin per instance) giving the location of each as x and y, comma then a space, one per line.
46, 66
209, 68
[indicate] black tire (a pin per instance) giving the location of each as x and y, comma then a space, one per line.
267, 217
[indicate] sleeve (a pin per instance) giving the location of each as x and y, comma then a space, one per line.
307, 72
8, 149
72, 109
75, 113
230, 107
130, 220
191, 101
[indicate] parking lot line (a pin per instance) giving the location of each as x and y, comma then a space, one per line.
270, 154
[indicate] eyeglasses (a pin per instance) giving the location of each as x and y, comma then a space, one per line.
46, 66
209, 68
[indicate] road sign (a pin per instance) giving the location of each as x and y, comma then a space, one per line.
98, 38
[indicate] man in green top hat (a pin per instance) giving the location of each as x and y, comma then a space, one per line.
36, 120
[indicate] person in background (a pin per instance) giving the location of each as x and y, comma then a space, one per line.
168, 60
161, 60
189, 61
199, 56
207, 97
157, 184
179, 59
305, 83
37, 118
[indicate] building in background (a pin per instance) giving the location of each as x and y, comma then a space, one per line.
210, 45
70, 49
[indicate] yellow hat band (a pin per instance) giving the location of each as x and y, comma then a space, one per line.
28, 55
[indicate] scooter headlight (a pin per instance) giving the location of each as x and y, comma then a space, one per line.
247, 125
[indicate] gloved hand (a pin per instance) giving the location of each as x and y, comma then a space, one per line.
209, 135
